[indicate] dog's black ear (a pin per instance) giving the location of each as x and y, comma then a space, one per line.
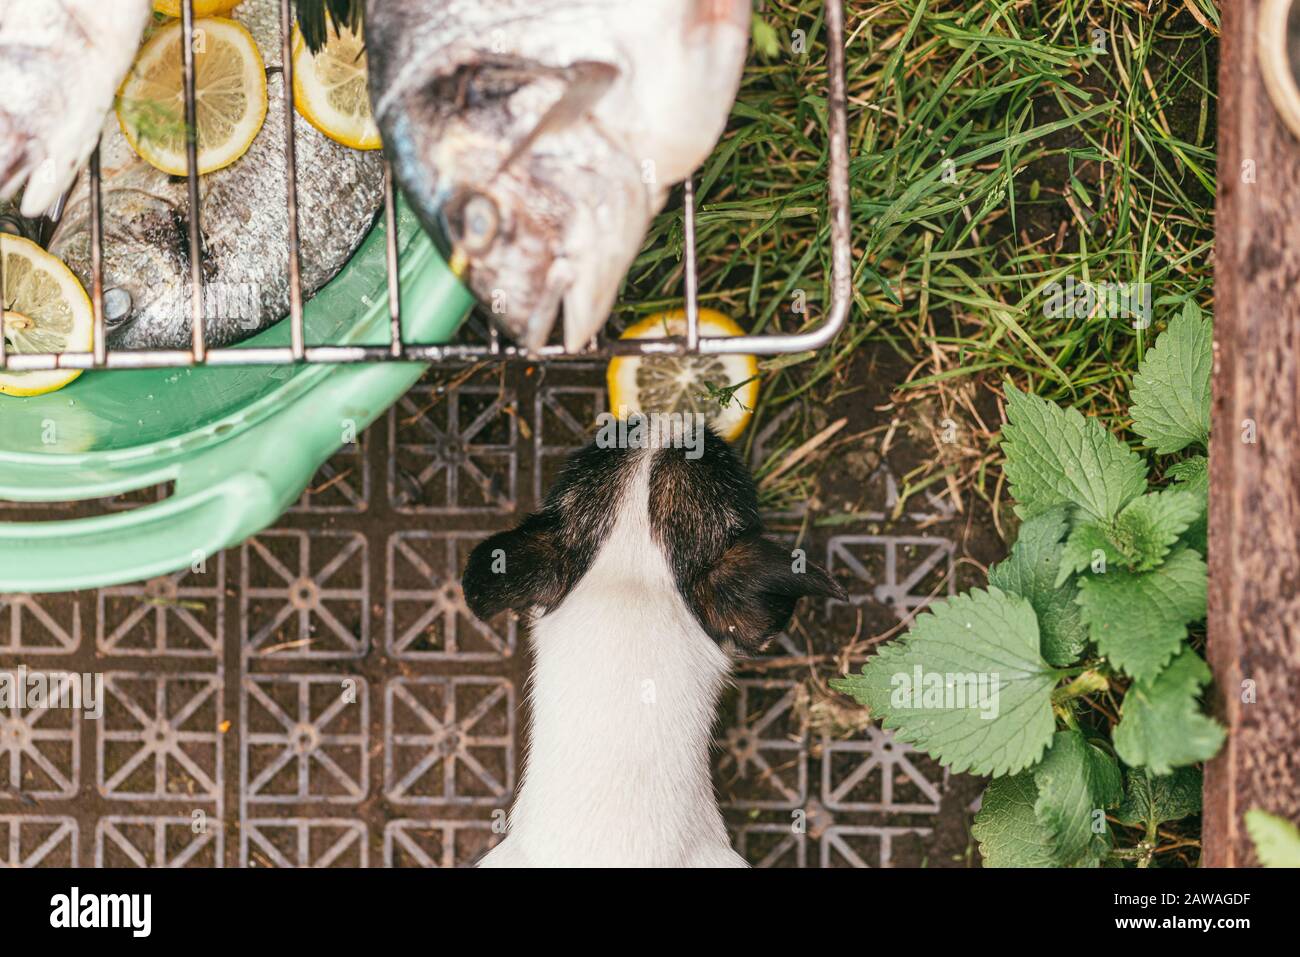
520, 569
750, 594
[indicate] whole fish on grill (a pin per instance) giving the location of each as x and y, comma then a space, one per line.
537, 139
244, 219
60, 63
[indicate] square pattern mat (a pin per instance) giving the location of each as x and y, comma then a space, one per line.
320, 696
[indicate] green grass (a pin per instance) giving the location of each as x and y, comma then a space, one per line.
992, 153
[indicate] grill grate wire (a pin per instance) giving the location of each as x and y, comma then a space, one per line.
298, 351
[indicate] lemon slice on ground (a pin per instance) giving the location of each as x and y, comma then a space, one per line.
332, 91
202, 8
229, 87
46, 310
686, 383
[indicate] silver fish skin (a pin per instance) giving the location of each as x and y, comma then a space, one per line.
537, 139
61, 62
244, 219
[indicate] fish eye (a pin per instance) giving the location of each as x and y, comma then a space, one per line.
479, 220
117, 306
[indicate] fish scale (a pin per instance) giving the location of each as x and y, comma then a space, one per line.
244, 219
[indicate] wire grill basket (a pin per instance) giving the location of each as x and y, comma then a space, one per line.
299, 351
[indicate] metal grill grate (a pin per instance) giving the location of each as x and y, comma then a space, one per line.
299, 351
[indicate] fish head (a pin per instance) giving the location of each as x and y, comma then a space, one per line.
542, 235
530, 205
145, 261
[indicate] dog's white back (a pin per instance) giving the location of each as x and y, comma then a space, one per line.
625, 686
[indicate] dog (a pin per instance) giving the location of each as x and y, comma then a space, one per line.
644, 575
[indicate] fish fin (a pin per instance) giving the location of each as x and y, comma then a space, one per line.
46, 183
314, 18
586, 82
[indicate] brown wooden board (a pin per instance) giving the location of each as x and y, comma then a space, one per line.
1254, 613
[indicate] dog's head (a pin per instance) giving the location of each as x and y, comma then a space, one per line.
702, 513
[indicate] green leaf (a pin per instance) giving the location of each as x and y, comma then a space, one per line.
1139, 619
1193, 475
1088, 541
1138, 539
1076, 782
1009, 832
1151, 799
1030, 572
966, 685
1171, 391
1056, 456
766, 41
1161, 725
1148, 526
1277, 840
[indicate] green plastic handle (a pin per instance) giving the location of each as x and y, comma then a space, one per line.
223, 496
236, 487
130, 546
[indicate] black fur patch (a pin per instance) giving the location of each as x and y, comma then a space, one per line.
537, 563
740, 586
704, 514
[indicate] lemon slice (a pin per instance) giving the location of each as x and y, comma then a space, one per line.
331, 89
202, 8
229, 88
46, 310
686, 383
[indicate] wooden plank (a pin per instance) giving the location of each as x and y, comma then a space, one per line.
1254, 613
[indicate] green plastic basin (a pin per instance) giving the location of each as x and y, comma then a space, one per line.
240, 443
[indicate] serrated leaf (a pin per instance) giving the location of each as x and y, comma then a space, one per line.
1030, 572
1193, 475
926, 685
1055, 456
1171, 391
1076, 782
1087, 543
1161, 725
1153, 799
1138, 539
1277, 840
1139, 619
1148, 526
1009, 832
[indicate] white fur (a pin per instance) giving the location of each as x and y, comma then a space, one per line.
624, 694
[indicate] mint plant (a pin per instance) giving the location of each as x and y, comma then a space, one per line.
1097, 603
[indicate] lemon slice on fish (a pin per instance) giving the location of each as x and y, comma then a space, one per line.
723, 387
202, 8
46, 310
229, 88
332, 91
